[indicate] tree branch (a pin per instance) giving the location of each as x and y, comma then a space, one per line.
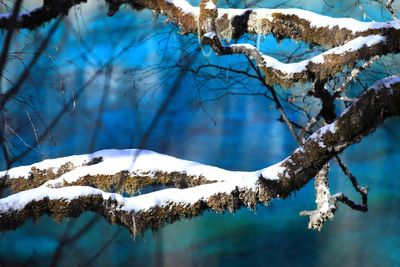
218, 189
352, 40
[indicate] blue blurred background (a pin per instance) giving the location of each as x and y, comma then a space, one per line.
117, 71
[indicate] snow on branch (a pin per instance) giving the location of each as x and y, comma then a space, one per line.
73, 189
293, 23
322, 66
349, 40
137, 166
66, 187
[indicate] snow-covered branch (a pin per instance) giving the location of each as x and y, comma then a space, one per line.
321, 67
233, 23
74, 181
68, 186
348, 40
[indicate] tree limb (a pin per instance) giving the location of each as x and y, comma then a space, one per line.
220, 190
352, 40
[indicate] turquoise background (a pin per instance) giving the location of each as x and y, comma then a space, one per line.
236, 132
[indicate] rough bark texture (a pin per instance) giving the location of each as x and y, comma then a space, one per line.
363, 117
212, 26
133, 182
234, 26
359, 120
136, 222
282, 25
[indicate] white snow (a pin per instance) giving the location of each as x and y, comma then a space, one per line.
209, 35
322, 131
317, 20
245, 45
329, 128
387, 82
181, 196
321, 144
142, 202
286, 68
291, 68
353, 45
54, 164
272, 172
185, 6
134, 160
210, 5
138, 203
390, 81
146, 161
20, 200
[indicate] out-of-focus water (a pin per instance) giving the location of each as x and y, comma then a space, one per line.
234, 132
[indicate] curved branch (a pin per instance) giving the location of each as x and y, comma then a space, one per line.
293, 23
354, 40
39, 16
360, 119
231, 190
320, 67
